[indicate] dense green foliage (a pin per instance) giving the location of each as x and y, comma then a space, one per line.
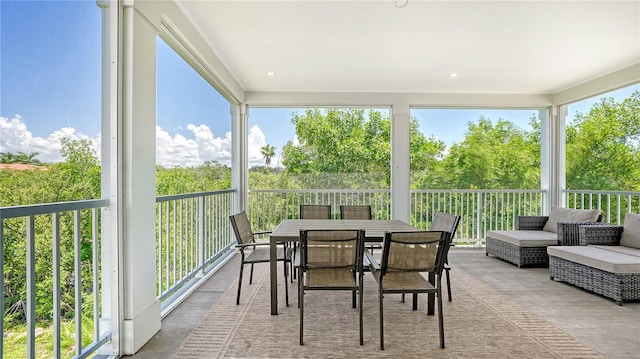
603, 146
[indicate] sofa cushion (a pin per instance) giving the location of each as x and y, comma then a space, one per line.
560, 215
591, 256
619, 249
631, 231
526, 238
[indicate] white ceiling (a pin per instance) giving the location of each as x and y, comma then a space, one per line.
518, 47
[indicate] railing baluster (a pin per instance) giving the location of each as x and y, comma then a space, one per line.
31, 288
96, 282
55, 222
77, 236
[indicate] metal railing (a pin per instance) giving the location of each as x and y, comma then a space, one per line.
612, 204
64, 237
193, 232
481, 210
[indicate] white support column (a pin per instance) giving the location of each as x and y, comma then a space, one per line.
140, 309
560, 141
239, 155
553, 155
400, 177
110, 181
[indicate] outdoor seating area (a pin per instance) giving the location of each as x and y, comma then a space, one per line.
563, 314
606, 262
527, 244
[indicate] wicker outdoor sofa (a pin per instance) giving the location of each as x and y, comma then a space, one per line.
527, 245
607, 262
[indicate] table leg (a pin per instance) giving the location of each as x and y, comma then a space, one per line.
431, 297
273, 273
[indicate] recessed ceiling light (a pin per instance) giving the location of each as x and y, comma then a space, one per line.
454, 75
400, 3
271, 73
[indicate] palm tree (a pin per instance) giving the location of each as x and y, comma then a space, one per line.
267, 151
20, 157
7, 157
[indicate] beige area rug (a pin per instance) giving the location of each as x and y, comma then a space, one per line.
479, 323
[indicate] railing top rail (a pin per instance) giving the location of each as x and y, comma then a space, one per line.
192, 195
320, 190
48, 208
586, 191
478, 191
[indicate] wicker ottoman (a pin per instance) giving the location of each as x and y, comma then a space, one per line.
600, 270
521, 248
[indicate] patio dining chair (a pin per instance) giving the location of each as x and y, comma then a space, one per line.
359, 212
331, 260
443, 222
311, 211
252, 252
315, 211
405, 256
446, 222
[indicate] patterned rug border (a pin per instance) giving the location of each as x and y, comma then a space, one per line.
217, 334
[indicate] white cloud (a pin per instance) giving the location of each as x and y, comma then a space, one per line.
15, 137
256, 140
171, 150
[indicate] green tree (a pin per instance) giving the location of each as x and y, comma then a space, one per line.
20, 157
267, 151
339, 148
499, 156
603, 146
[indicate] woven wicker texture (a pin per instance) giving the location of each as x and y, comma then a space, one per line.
480, 324
617, 286
603, 234
568, 235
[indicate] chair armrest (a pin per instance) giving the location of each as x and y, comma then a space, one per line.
262, 235
531, 223
253, 244
373, 263
603, 234
568, 232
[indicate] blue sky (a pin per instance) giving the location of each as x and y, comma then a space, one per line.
50, 88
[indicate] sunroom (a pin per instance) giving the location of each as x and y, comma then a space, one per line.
398, 57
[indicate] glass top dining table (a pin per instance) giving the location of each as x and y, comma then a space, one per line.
289, 231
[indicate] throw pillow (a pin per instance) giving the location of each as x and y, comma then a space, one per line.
631, 231
560, 215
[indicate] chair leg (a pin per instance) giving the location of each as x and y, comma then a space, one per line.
301, 304
361, 289
353, 293
381, 298
251, 276
286, 284
239, 283
446, 272
440, 319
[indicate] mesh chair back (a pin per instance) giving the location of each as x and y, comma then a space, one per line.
445, 222
315, 211
355, 212
331, 248
242, 228
421, 251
